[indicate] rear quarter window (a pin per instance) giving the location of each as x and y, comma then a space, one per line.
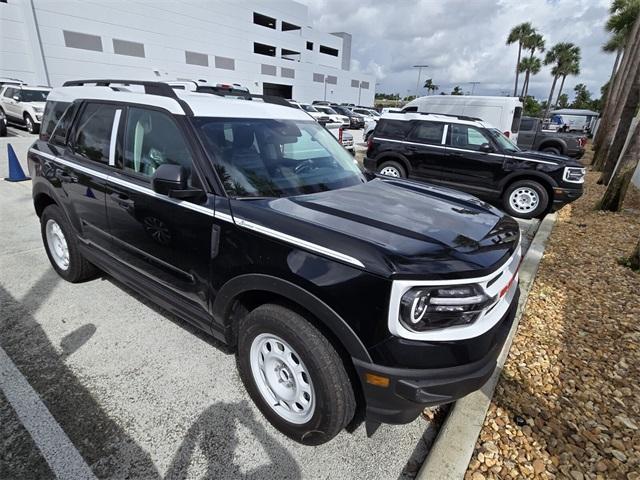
393, 128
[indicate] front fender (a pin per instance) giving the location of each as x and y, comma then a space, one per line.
231, 290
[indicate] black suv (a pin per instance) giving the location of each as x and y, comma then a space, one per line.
467, 154
355, 120
340, 291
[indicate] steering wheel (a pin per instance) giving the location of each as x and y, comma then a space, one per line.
303, 165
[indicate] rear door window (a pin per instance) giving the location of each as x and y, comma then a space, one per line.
427, 132
396, 129
93, 132
517, 115
527, 124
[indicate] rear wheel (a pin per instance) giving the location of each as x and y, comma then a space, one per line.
525, 199
61, 246
552, 150
294, 375
392, 169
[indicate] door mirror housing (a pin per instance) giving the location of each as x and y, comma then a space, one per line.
486, 148
16, 98
172, 180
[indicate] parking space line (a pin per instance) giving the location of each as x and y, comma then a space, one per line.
54, 445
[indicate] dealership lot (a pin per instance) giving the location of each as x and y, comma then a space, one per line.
139, 393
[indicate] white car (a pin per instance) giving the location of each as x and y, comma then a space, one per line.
369, 127
333, 115
24, 105
319, 116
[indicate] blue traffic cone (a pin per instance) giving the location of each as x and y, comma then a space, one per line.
15, 170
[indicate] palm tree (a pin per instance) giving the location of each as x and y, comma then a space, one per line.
530, 66
519, 34
457, 90
570, 67
561, 56
430, 86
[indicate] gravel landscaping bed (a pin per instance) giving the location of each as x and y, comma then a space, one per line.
568, 401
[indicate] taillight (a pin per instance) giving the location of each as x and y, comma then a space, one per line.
340, 134
370, 141
507, 133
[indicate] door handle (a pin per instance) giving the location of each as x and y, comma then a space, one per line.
67, 177
124, 201
455, 154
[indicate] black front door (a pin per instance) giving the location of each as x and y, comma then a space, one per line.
468, 167
167, 240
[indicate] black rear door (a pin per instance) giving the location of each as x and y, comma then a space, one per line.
425, 149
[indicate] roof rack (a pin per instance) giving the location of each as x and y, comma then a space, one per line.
160, 89
459, 117
273, 99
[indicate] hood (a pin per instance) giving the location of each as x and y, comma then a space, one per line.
560, 160
395, 228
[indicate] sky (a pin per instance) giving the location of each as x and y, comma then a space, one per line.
464, 41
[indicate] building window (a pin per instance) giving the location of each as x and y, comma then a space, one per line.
195, 58
263, 49
124, 47
225, 63
309, 45
82, 40
290, 55
318, 77
287, 72
328, 50
268, 70
287, 27
355, 83
264, 21
364, 85
331, 79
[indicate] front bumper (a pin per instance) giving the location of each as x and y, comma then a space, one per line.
564, 196
409, 391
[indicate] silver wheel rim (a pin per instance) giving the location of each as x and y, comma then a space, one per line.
390, 172
29, 125
524, 199
57, 244
282, 378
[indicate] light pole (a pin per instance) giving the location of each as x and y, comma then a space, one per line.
325, 88
419, 67
359, 90
473, 86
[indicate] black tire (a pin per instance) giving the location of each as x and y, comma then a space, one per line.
390, 164
79, 269
334, 398
543, 199
32, 127
552, 150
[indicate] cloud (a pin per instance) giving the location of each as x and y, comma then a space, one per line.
463, 40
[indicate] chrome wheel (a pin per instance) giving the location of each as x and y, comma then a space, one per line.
57, 244
29, 123
524, 199
390, 171
282, 378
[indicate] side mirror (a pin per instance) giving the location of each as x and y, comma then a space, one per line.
16, 98
171, 180
486, 148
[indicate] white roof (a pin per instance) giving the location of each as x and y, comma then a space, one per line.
31, 87
575, 111
202, 104
434, 117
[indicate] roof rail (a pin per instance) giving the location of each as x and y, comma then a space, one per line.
459, 117
160, 89
273, 99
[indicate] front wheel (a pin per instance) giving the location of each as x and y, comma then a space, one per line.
525, 199
294, 375
32, 127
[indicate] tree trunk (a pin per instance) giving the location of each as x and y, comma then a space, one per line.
615, 65
634, 259
613, 197
553, 87
607, 109
524, 84
515, 88
626, 117
625, 79
560, 91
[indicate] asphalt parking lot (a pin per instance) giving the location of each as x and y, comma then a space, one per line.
102, 383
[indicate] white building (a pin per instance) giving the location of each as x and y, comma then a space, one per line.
263, 45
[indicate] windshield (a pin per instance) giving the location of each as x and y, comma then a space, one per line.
308, 108
33, 95
505, 144
328, 110
276, 158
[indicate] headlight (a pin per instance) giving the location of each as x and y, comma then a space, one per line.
38, 109
426, 308
574, 174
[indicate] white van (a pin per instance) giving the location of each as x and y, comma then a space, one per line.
501, 112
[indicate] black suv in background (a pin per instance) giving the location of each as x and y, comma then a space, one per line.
470, 155
356, 120
337, 289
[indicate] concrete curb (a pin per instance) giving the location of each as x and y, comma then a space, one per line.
451, 452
